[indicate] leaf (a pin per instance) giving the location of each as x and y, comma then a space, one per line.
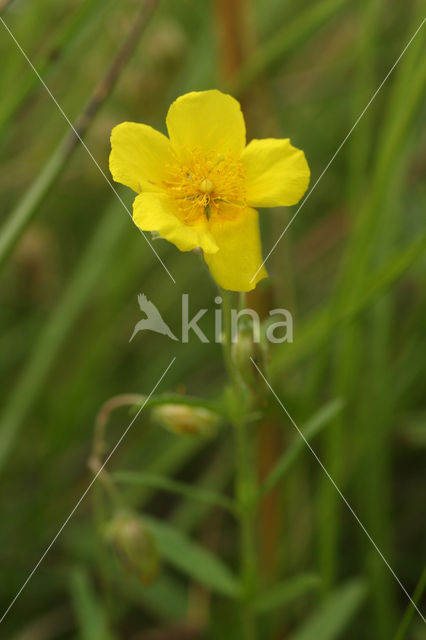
333, 616
91, 617
181, 488
192, 559
286, 592
314, 425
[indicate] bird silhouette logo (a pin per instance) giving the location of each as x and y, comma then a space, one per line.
153, 320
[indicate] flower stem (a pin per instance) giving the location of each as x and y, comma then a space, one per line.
245, 481
245, 491
227, 339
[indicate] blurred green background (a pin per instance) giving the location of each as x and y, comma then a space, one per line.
351, 269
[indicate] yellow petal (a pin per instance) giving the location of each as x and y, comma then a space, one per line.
240, 254
210, 120
138, 156
155, 212
277, 173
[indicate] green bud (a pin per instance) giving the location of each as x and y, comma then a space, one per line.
135, 545
182, 418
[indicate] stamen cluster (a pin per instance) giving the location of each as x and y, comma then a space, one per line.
203, 183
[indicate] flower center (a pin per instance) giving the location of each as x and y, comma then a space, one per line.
206, 184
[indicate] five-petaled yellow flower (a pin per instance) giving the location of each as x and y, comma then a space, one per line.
198, 187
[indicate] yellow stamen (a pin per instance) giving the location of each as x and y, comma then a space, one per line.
205, 184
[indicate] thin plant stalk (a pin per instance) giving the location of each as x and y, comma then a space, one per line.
22, 215
245, 488
245, 480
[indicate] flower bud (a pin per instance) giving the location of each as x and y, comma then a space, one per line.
182, 418
135, 545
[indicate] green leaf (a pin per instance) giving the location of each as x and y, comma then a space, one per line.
286, 592
181, 488
193, 559
333, 616
92, 622
314, 425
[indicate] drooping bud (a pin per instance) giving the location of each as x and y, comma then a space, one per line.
182, 418
135, 545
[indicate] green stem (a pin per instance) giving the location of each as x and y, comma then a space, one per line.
227, 338
245, 496
101, 558
245, 482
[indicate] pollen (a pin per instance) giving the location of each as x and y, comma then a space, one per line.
205, 184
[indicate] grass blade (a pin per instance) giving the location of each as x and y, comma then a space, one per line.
53, 335
286, 40
408, 615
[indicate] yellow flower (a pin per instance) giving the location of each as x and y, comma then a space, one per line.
198, 187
